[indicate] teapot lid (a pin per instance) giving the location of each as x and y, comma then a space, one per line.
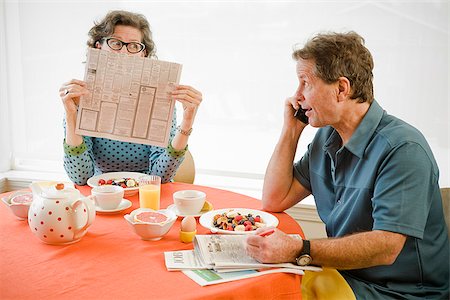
59, 191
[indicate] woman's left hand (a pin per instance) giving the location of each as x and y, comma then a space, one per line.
190, 98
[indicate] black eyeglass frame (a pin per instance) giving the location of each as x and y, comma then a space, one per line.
107, 39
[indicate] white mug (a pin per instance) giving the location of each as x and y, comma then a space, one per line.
189, 202
108, 197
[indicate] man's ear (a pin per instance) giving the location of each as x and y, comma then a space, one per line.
97, 45
344, 88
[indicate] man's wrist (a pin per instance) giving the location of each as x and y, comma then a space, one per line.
298, 250
304, 258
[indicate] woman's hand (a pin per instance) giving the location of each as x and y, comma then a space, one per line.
190, 98
70, 93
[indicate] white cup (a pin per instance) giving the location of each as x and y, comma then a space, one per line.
108, 197
189, 202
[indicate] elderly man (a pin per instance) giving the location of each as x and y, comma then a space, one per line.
373, 177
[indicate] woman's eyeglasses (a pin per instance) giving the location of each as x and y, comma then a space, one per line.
116, 44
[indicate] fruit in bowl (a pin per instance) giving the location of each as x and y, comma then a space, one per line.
19, 203
149, 224
150, 217
127, 180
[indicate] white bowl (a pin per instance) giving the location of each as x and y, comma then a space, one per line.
20, 210
93, 181
151, 231
108, 197
189, 202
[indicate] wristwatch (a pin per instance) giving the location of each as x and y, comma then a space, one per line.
304, 258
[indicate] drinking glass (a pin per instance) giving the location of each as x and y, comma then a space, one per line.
149, 191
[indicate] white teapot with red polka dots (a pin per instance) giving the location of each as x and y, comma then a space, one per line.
60, 215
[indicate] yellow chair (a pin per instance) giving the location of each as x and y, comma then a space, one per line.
325, 285
186, 171
445, 193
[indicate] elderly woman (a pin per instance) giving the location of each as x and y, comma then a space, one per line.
124, 32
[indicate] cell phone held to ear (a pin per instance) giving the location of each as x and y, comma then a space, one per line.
300, 115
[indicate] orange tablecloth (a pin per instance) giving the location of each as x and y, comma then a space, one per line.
112, 262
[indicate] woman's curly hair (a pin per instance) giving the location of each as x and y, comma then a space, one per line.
105, 28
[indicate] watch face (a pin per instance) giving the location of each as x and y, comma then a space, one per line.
304, 260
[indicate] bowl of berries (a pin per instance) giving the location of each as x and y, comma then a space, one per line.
127, 180
237, 220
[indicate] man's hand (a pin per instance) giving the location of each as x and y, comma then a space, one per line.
277, 247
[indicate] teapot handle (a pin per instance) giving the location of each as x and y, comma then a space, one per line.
89, 220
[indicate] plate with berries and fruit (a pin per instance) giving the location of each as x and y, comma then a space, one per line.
128, 180
237, 220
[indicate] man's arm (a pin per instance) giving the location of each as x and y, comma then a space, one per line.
281, 190
360, 250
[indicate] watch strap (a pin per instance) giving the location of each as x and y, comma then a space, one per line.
306, 248
304, 257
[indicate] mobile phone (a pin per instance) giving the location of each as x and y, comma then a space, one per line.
300, 114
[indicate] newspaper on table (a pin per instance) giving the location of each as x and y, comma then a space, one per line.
129, 99
223, 258
209, 277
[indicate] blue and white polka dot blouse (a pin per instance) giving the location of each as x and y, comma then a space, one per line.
99, 155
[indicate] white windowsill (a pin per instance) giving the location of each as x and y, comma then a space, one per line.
15, 179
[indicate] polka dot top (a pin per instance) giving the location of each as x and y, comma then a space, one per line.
100, 155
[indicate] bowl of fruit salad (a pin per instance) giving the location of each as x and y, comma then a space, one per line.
237, 220
127, 180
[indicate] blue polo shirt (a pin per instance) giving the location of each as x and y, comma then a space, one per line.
384, 178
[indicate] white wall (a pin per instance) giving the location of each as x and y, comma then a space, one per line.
239, 55
5, 141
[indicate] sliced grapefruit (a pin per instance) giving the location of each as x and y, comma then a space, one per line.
22, 199
150, 217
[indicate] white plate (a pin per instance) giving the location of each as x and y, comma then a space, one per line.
124, 204
93, 181
174, 209
206, 220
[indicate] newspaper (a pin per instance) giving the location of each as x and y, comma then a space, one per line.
209, 277
222, 258
129, 99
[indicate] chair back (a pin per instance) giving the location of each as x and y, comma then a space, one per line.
445, 193
186, 171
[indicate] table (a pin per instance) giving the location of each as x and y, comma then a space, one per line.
112, 262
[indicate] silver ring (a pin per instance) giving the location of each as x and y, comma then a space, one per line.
66, 91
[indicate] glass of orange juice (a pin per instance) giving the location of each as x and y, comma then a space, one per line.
149, 191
